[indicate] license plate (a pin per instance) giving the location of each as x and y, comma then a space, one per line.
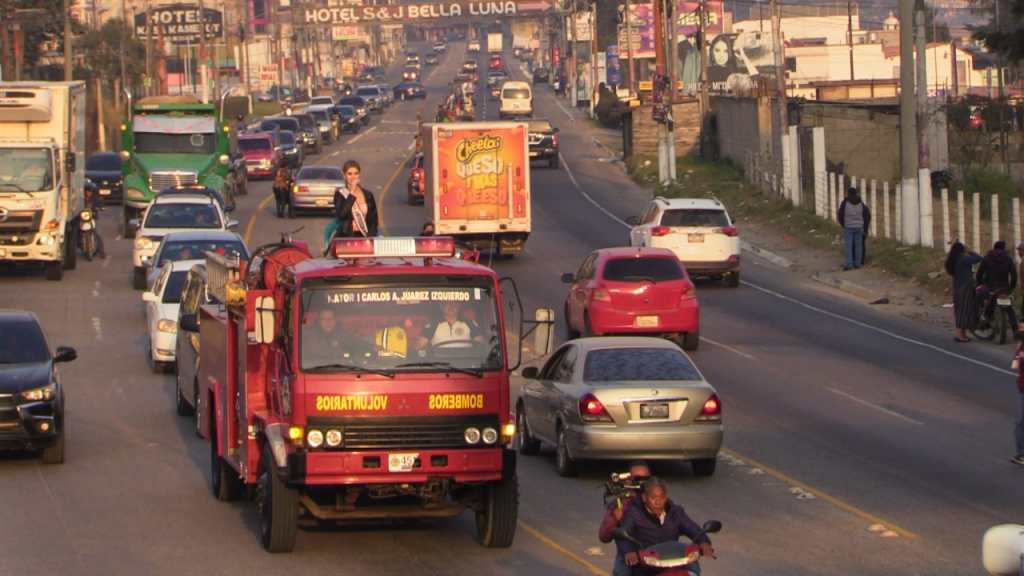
1004, 301
695, 238
646, 321
534, 154
402, 462
654, 411
104, 191
323, 202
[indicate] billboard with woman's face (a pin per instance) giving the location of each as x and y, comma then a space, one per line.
734, 59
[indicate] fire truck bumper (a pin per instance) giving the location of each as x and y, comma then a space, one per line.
400, 467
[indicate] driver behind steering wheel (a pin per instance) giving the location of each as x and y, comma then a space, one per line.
449, 329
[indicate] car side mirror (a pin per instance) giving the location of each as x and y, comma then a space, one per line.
531, 373
633, 220
65, 354
232, 224
568, 278
148, 296
189, 323
556, 130
134, 223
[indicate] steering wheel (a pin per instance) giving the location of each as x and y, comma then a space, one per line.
449, 344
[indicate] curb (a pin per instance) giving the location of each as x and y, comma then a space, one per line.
765, 254
846, 286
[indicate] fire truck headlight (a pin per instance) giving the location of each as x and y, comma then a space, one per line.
295, 434
334, 438
508, 432
315, 438
490, 435
471, 435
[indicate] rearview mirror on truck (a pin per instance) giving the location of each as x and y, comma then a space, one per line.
265, 319
543, 342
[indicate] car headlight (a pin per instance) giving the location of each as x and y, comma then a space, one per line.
315, 438
265, 163
40, 394
47, 239
86, 215
143, 243
489, 435
471, 435
334, 438
224, 159
168, 326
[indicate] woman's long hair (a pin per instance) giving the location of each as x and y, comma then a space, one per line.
956, 252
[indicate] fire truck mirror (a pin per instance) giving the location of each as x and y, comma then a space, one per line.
265, 319
542, 340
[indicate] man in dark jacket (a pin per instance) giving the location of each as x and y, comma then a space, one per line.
639, 473
998, 273
855, 218
653, 519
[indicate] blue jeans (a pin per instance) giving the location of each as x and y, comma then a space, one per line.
1019, 431
854, 238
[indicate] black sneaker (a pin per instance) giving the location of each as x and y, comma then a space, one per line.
1018, 459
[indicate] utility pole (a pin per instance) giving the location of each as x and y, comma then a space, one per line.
911, 215
204, 71
781, 113
924, 180
1003, 144
705, 102
849, 34
573, 74
629, 48
149, 49
121, 55
245, 48
671, 52
69, 65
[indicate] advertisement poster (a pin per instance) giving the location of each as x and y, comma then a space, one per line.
614, 66
735, 59
479, 170
642, 23
687, 25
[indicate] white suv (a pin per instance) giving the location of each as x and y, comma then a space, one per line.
172, 213
699, 231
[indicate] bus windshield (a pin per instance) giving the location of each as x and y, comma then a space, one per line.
415, 326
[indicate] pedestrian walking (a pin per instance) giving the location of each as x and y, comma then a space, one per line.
1018, 364
960, 266
855, 217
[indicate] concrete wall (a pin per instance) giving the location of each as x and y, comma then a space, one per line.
741, 122
687, 129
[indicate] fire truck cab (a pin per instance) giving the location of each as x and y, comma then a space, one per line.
372, 383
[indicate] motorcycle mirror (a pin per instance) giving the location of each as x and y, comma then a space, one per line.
712, 526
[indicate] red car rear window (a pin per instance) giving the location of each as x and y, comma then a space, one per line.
653, 268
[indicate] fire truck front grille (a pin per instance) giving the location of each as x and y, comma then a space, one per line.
161, 180
406, 433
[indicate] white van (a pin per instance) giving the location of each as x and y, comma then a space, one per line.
516, 99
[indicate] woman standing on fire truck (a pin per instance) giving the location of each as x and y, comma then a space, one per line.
355, 209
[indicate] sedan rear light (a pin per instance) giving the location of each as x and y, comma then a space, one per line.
660, 231
711, 411
730, 231
689, 291
600, 295
591, 410
554, 140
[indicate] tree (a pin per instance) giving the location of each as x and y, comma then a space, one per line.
1005, 36
102, 50
40, 28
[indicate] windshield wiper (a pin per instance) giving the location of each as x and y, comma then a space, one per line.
350, 368
448, 365
16, 187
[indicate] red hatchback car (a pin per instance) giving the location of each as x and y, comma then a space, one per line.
262, 156
633, 291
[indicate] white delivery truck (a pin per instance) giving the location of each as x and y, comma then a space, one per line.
494, 42
42, 172
478, 183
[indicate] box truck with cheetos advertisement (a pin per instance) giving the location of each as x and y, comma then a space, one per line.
478, 183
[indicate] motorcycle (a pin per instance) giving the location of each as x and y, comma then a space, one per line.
1002, 320
89, 242
669, 558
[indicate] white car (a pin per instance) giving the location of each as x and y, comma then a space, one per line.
516, 99
698, 230
162, 303
173, 213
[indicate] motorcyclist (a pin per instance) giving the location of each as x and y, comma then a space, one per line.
998, 273
653, 519
282, 185
93, 205
639, 472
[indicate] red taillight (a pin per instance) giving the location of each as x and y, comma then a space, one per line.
660, 231
554, 140
689, 291
591, 410
730, 231
712, 409
600, 295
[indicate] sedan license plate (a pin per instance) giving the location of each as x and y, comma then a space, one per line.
323, 202
402, 462
654, 411
1004, 301
695, 238
104, 191
646, 321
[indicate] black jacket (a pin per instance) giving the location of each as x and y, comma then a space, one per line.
997, 271
343, 212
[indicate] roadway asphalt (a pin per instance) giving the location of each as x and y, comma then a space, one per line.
856, 442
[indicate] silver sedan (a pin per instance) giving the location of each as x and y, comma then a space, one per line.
620, 398
314, 188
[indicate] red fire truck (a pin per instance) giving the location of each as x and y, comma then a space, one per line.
372, 383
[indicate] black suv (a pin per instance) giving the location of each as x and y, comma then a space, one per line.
543, 139
31, 397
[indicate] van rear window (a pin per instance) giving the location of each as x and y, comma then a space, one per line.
516, 94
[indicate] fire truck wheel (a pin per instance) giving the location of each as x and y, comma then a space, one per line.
279, 509
496, 520
224, 481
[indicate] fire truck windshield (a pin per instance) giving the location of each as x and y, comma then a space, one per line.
400, 327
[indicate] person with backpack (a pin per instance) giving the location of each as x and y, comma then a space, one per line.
855, 217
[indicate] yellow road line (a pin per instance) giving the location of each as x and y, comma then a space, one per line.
590, 566
384, 193
838, 503
252, 219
